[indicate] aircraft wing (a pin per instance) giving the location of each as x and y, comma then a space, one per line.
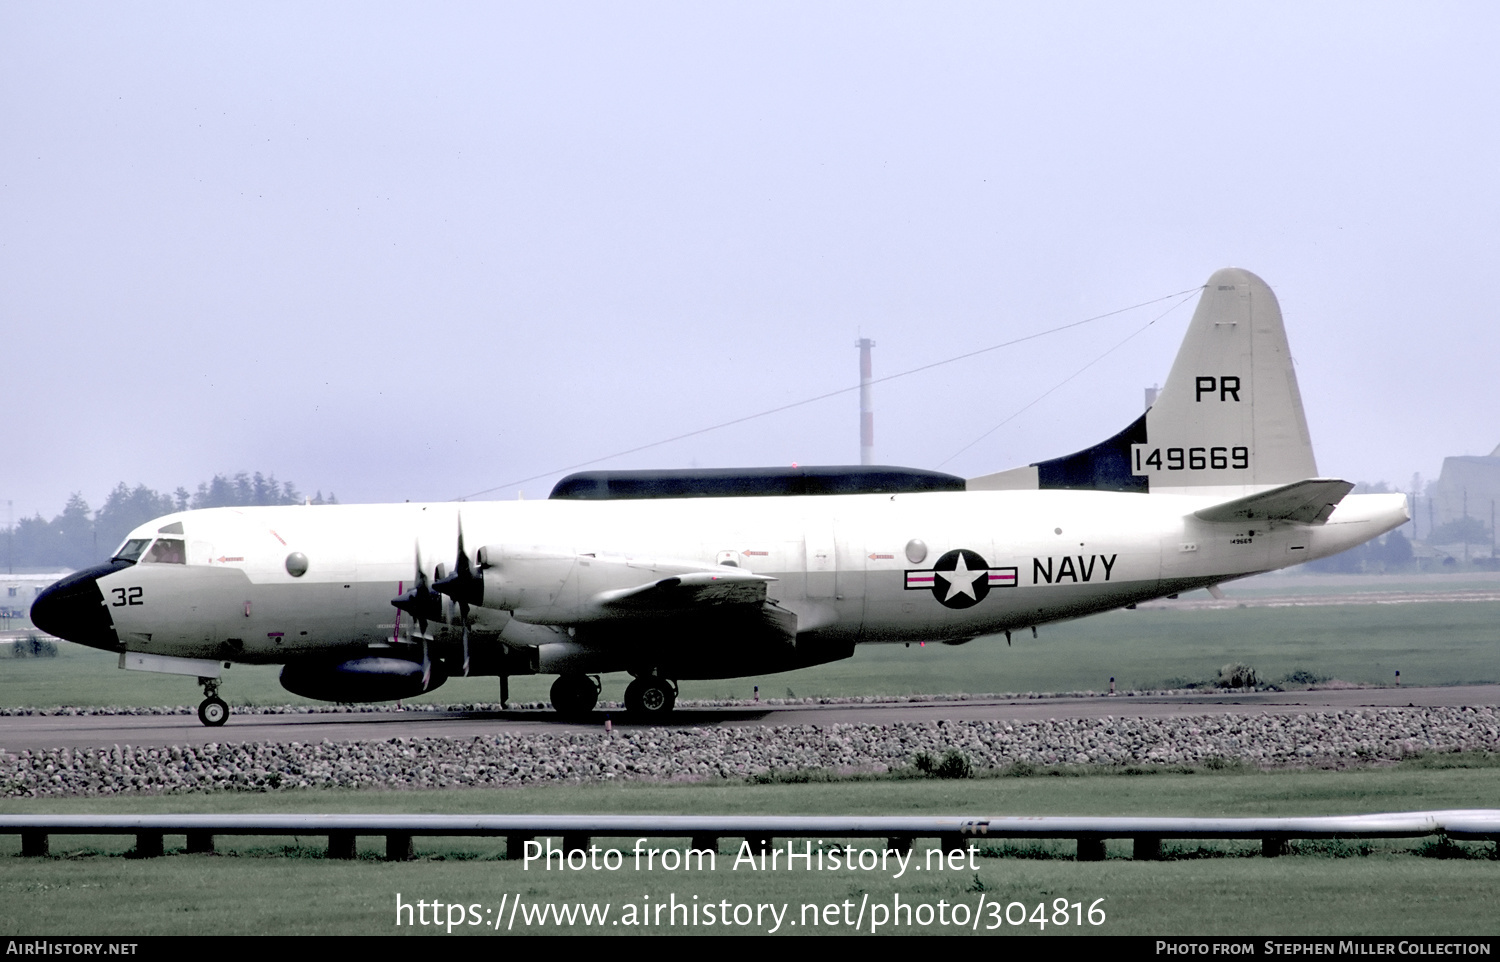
1309, 502
691, 591
728, 604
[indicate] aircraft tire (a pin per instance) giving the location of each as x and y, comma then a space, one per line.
574, 695
650, 697
213, 712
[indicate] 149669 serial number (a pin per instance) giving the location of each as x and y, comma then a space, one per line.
1148, 460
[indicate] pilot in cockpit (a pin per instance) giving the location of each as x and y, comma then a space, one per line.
169, 551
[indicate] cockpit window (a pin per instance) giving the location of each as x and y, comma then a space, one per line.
131, 550
167, 551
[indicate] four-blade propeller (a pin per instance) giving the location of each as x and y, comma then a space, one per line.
421, 602
424, 602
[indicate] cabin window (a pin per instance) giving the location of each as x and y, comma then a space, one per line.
167, 551
131, 550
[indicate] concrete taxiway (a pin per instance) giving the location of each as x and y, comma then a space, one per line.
33, 732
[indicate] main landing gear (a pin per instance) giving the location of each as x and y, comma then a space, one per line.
650, 697
575, 694
213, 711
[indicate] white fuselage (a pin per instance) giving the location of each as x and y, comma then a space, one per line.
859, 568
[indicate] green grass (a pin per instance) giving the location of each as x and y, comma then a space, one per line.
284, 885
1375, 895
1434, 643
1426, 782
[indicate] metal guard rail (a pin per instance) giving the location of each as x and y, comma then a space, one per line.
952, 832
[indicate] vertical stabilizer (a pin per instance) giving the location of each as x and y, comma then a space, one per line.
1232, 391
1228, 418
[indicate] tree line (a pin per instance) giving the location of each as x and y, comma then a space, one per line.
79, 536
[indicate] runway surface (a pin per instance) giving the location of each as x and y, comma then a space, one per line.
102, 731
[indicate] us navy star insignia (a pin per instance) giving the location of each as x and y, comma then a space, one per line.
960, 579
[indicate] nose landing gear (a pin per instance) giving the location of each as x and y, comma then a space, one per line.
212, 711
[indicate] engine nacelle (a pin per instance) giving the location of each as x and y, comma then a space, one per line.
552, 586
372, 678
523, 578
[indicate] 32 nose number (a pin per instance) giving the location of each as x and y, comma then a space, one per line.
127, 596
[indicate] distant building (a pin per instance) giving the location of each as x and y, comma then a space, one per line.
1467, 485
17, 592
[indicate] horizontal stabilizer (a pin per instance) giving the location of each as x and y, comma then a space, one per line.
692, 591
1309, 502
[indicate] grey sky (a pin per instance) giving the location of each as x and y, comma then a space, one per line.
416, 251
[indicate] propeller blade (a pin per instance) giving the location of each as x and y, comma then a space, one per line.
463, 586
420, 602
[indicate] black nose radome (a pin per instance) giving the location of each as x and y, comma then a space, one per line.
73, 609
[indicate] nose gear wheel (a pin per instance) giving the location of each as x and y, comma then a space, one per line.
213, 712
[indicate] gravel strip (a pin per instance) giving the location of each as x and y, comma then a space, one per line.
1314, 739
